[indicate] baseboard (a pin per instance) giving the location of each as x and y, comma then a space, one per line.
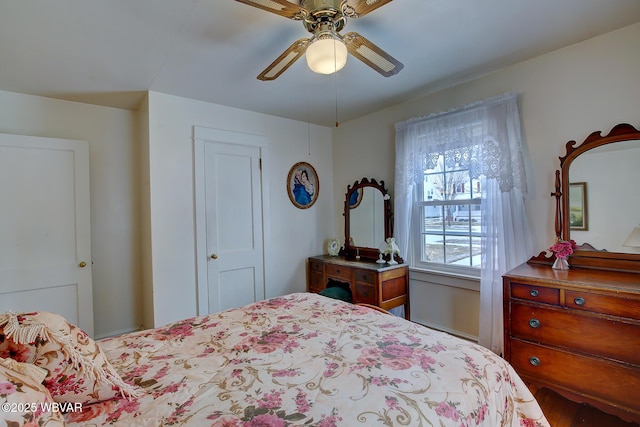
119, 332
450, 331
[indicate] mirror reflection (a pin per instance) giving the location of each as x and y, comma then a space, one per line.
366, 218
612, 201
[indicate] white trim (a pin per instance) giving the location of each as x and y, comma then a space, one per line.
200, 224
228, 136
450, 331
445, 279
118, 333
451, 270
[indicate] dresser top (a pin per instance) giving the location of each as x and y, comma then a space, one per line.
578, 278
354, 263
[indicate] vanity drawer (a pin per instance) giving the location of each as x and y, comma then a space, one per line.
365, 276
365, 294
591, 377
316, 283
338, 271
535, 293
587, 334
315, 265
607, 304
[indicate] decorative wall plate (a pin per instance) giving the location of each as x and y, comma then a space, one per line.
303, 185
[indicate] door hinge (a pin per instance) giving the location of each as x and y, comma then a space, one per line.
260, 163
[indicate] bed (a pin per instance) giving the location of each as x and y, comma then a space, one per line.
305, 359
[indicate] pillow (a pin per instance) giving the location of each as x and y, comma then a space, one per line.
77, 369
24, 401
9, 349
34, 372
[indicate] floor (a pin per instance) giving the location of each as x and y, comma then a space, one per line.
561, 412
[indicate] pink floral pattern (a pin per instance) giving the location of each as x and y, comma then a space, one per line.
86, 379
305, 359
25, 402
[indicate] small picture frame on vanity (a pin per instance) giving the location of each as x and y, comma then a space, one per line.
333, 247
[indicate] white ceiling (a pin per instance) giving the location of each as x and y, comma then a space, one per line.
110, 52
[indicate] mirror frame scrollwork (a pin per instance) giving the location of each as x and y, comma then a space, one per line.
586, 255
367, 253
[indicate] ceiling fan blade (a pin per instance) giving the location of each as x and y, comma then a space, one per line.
284, 61
358, 8
372, 55
279, 7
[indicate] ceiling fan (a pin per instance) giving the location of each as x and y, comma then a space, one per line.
327, 49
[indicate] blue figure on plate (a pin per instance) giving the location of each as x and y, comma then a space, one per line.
302, 188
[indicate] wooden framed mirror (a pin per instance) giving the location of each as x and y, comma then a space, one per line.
599, 178
367, 219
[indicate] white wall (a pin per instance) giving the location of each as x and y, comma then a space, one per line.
113, 158
142, 204
291, 234
564, 95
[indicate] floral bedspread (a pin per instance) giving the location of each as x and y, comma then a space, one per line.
305, 359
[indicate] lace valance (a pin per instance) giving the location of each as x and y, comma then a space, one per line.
483, 137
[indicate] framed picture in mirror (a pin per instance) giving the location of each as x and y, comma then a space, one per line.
578, 206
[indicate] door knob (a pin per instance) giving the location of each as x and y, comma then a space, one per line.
82, 264
214, 256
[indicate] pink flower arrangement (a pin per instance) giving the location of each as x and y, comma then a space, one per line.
563, 248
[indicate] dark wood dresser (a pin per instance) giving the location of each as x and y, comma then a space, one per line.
576, 332
383, 285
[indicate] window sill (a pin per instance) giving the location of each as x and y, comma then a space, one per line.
455, 280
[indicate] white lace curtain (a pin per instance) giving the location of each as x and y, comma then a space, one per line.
486, 137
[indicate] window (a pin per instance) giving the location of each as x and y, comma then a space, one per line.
449, 215
459, 198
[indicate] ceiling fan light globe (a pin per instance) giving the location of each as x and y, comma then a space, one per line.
326, 55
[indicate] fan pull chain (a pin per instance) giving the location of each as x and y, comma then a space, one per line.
308, 118
308, 126
335, 79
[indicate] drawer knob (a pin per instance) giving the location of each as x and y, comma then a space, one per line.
534, 292
534, 361
579, 301
365, 294
534, 323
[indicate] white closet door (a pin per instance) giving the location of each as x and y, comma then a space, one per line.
229, 231
45, 234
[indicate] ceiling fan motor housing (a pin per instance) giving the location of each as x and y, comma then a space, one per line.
321, 13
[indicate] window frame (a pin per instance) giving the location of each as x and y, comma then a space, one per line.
418, 232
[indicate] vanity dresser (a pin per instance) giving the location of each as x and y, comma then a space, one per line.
577, 331
383, 285
373, 279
